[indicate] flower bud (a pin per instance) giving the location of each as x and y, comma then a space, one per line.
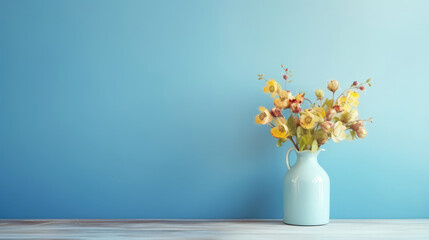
362, 88
275, 112
295, 107
357, 125
361, 132
320, 93
333, 85
329, 114
285, 77
355, 83
327, 126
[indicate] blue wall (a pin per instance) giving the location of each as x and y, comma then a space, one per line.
145, 109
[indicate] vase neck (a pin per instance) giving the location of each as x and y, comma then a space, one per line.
307, 156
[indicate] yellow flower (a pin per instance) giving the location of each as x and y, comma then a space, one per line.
352, 98
285, 95
338, 134
281, 104
264, 117
351, 116
280, 120
307, 120
272, 87
318, 112
342, 105
283, 101
280, 130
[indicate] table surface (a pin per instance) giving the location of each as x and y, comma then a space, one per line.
212, 229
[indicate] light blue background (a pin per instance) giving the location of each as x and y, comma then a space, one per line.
145, 109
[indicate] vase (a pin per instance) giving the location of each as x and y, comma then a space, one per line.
305, 190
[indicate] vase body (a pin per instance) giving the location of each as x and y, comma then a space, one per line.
306, 191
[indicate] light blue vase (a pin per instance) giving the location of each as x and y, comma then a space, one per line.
305, 191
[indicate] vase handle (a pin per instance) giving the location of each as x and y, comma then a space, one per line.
287, 157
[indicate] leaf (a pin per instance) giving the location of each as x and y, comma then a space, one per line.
291, 125
328, 103
314, 146
368, 80
301, 145
349, 137
308, 139
369, 84
290, 81
280, 141
353, 134
299, 132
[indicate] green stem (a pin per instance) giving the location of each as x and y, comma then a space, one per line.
291, 139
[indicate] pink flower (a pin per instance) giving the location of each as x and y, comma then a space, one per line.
275, 112
329, 114
327, 126
357, 125
295, 107
285, 77
361, 132
355, 83
300, 98
338, 108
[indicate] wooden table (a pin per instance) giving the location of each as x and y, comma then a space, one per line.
212, 229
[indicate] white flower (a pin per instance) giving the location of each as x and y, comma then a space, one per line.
339, 133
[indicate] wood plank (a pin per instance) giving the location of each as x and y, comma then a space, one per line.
212, 229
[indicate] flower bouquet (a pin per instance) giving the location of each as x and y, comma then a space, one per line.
306, 188
334, 117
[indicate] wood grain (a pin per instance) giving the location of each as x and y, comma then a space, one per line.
212, 229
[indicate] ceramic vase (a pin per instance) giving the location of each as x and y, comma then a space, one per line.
305, 190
